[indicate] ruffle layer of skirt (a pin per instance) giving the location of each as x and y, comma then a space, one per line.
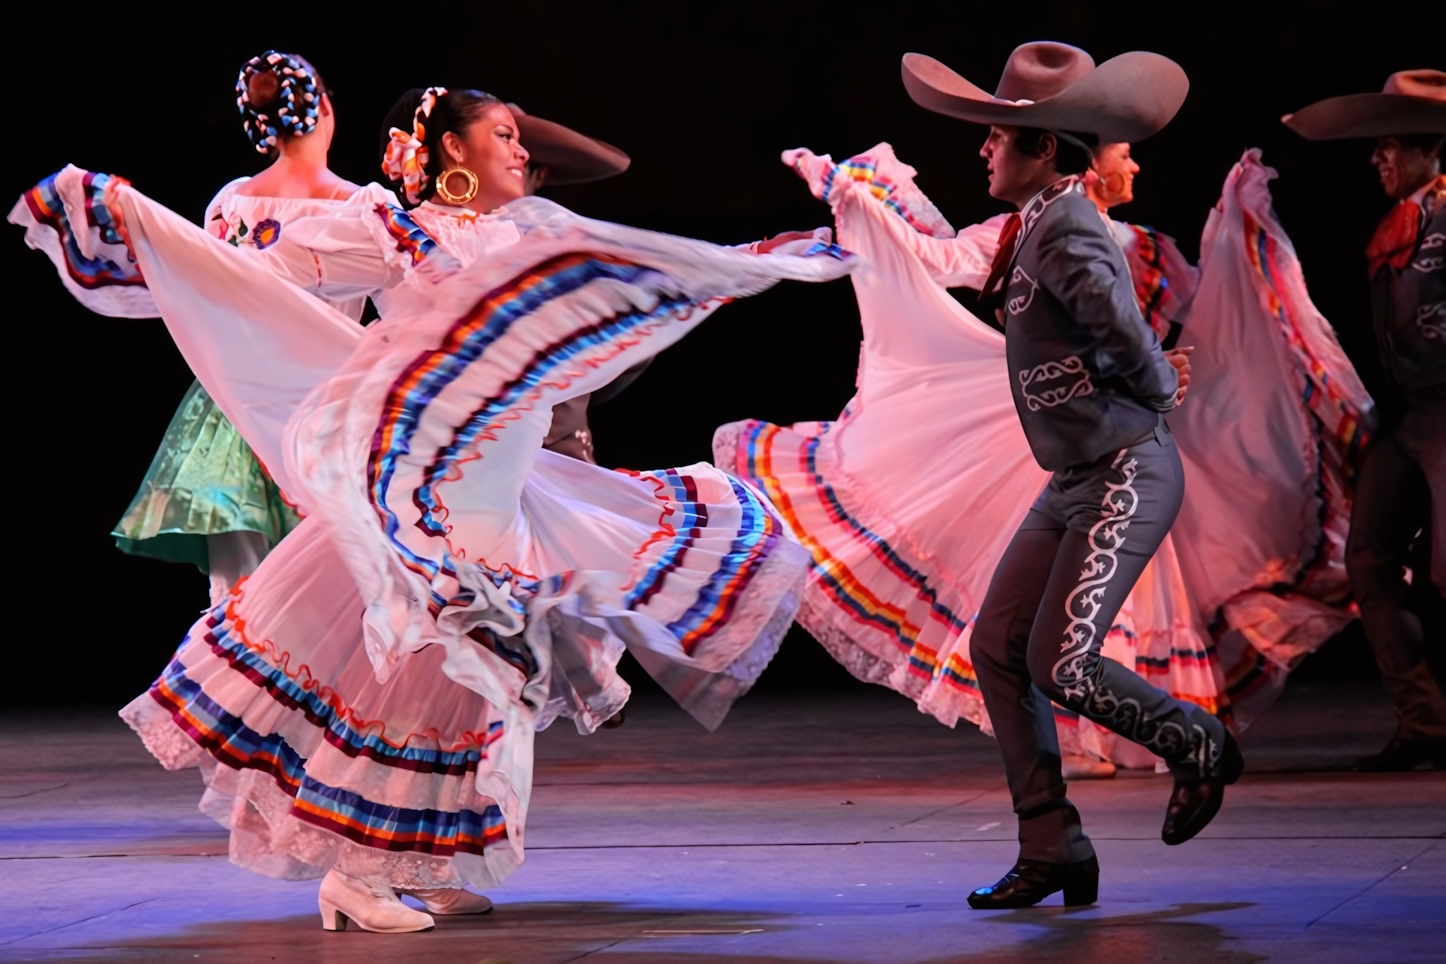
892, 617
204, 480
384, 785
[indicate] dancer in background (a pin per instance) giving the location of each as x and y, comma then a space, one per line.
363, 705
1165, 281
1401, 490
206, 500
561, 156
1275, 427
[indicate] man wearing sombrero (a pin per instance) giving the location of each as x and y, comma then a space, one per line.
1091, 385
1401, 485
559, 156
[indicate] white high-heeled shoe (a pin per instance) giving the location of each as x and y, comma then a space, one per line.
451, 900
1073, 767
372, 907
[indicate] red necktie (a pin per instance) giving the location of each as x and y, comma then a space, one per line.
1007, 239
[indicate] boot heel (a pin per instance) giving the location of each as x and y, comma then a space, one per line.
332, 918
1083, 885
1233, 763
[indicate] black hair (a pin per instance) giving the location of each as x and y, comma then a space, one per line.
280, 97
1426, 142
1068, 158
454, 112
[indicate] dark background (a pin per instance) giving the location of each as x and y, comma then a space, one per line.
704, 97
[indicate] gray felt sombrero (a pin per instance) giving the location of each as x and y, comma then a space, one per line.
570, 157
1058, 87
1412, 102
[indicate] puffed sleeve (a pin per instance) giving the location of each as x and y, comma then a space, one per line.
344, 255
961, 261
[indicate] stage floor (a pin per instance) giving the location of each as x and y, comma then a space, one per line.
820, 828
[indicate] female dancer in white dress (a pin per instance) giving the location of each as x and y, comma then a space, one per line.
1276, 425
908, 499
206, 499
363, 705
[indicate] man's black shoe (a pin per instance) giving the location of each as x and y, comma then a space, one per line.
1404, 753
1195, 801
1031, 881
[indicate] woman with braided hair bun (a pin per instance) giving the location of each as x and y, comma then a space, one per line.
206, 500
287, 113
363, 706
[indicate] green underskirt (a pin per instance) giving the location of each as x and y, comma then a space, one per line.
204, 480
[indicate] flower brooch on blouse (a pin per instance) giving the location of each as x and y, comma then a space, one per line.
263, 235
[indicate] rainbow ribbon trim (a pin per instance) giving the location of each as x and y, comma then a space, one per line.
556, 280
349, 815
1342, 419
833, 577
853, 596
867, 172
465, 343
759, 533
1151, 285
411, 238
46, 207
1345, 428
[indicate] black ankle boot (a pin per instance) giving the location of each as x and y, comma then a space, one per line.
1031, 881
1406, 753
1195, 801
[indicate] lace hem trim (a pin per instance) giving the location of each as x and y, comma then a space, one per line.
268, 838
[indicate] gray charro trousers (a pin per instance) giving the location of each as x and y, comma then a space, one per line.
1050, 604
1400, 490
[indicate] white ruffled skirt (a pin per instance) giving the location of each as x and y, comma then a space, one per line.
367, 699
907, 501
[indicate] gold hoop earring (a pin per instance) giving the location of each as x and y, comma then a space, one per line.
457, 200
1114, 186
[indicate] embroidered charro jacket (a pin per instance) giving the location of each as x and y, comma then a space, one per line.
1408, 292
1087, 372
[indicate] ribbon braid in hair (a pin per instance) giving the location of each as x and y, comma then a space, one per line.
298, 100
407, 156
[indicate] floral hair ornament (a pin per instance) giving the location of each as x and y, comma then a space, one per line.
298, 99
406, 157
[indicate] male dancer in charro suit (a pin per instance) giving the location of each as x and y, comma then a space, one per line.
1401, 486
1091, 385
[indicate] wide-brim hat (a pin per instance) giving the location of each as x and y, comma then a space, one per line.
570, 157
1058, 87
1411, 102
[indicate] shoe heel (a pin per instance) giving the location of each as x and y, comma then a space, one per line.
1083, 885
1234, 763
332, 917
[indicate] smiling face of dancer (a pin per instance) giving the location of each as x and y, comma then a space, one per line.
1114, 172
1405, 163
489, 146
